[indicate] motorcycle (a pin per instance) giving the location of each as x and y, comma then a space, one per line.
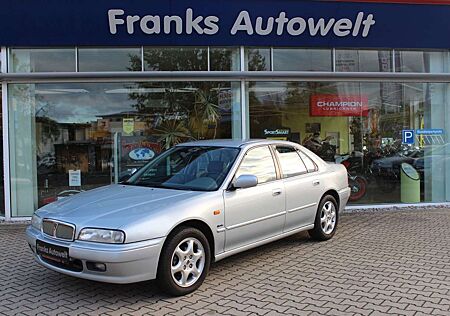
354, 163
358, 187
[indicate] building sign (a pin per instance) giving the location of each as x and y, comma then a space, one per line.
408, 137
223, 23
339, 105
277, 133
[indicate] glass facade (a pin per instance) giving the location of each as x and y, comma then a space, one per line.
109, 59
361, 124
104, 131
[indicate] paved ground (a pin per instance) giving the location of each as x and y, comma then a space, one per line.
377, 264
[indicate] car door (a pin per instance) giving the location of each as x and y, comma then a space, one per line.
255, 213
302, 186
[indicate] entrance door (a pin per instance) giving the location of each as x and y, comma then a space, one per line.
256, 213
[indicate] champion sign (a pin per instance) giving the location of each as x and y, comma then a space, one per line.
339, 105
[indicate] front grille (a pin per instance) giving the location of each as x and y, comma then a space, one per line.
58, 229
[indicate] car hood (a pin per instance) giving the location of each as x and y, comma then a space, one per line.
114, 205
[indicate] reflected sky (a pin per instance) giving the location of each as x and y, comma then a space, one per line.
258, 162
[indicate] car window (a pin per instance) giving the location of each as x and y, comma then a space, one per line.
309, 163
258, 162
187, 168
290, 161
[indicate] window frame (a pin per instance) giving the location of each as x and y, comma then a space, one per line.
280, 165
274, 161
316, 167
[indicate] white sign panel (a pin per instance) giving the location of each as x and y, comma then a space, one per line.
74, 178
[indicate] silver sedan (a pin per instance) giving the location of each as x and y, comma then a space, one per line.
194, 204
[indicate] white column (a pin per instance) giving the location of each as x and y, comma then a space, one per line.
23, 149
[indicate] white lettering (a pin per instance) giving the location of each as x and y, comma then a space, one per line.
211, 25
242, 23
360, 25
281, 20
359, 18
178, 24
259, 30
342, 27
192, 23
131, 19
314, 29
292, 30
340, 104
114, 21
367, 24
156, 24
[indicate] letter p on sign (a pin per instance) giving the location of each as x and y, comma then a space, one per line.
408, 136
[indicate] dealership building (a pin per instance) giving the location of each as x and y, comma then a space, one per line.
92, 90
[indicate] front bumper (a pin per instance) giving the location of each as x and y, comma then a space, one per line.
125, 263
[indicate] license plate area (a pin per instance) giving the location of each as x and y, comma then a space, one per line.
52, 252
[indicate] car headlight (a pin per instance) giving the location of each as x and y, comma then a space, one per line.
108, 236
36, 222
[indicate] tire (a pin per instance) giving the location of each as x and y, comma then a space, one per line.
325, 230
187, 252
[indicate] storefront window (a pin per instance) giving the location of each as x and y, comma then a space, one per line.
224, 59
257, 59
42, 60
109, 59
2, 178
70, 137
358, 60
302, 59
421, 61
374, 129
176, 58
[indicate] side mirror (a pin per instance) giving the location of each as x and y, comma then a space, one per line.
245, 181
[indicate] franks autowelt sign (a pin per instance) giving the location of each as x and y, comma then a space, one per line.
339, 105
224, 22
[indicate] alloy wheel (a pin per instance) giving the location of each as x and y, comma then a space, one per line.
328, 217
188, 262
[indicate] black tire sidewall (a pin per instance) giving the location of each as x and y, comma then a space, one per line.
317, 233
164, 277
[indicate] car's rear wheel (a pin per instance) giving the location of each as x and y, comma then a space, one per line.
326, 220
184, 261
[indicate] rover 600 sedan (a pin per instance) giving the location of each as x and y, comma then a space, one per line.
194, 204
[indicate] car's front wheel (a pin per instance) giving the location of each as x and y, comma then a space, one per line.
184, 261
326, 220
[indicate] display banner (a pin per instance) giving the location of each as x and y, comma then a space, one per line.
223, 23
339, 105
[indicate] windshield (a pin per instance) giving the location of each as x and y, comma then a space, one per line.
187, 168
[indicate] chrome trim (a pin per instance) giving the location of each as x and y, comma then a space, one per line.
317, 76
55, 228
301, 207
255, 220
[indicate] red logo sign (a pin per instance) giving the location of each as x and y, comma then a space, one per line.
339, 105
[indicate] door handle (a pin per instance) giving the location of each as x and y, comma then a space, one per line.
316, 182
276, 192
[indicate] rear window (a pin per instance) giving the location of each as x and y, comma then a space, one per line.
290, 161
309, 163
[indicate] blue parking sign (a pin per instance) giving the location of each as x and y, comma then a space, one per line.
408, 136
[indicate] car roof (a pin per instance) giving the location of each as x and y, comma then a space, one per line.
235, 143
